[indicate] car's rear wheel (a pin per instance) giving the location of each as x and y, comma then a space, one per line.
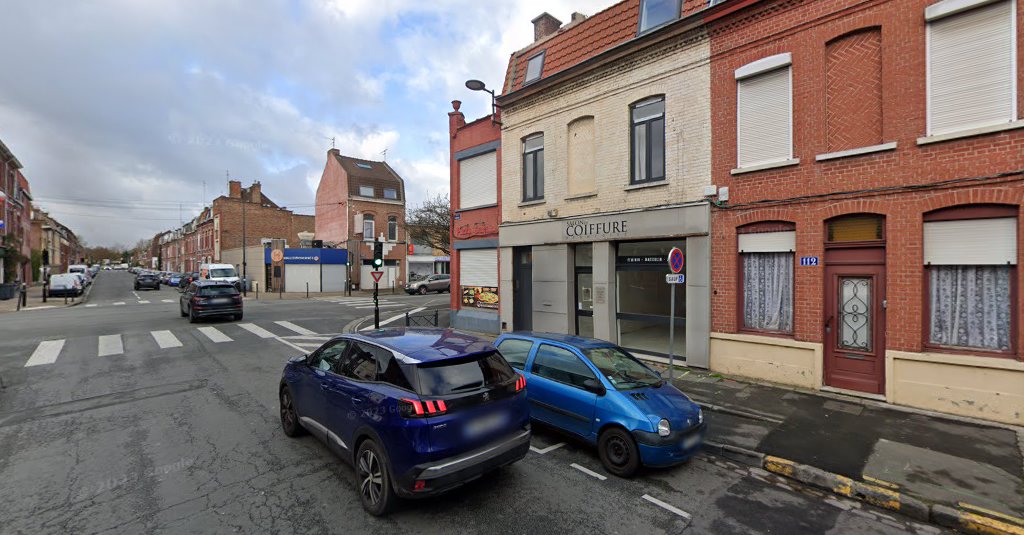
423, 290
289, 418
182, 311
192, 318
375, 490
619, 453
238, 317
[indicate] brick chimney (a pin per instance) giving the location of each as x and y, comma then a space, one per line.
577, 17
456, 119
234, 189
545, 25
255, 193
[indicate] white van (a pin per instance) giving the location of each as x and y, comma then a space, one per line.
65, 285
220, 272
83, 269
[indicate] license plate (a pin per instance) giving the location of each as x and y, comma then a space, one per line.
485, 424
222, 301
691, 441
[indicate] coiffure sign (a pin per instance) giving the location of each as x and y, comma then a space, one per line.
584, 229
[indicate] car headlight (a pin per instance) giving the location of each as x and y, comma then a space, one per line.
664, 428
700, 416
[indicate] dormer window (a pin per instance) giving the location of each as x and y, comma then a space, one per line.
534, 67
365, 191
655, 13
364, 165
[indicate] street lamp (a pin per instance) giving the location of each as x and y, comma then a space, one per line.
477, 85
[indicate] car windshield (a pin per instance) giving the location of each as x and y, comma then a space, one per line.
622, 369
222, 272
212, 291
462, 375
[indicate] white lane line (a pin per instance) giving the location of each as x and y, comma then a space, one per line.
588, 471
167, 300
302, 350
257, 330
119, 303
111, 345
143, 302
165, 339
293, 327
214, 335
136, 295
91, 306
319, 337
45, 353
393, 318
668, 507
382, 305
547, 449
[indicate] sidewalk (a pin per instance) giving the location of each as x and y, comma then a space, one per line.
35, 301
383, 294
933, 458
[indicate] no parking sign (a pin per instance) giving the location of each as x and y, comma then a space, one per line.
676, 260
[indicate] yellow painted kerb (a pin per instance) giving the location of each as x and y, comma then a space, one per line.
988, 526
779, 465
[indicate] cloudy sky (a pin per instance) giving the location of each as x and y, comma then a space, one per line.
120, 110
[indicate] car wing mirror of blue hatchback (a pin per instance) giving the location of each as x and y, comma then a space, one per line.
592, 385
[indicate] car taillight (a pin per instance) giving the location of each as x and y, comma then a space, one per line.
520, 383
412, 408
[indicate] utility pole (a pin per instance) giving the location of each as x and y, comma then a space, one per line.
244, 264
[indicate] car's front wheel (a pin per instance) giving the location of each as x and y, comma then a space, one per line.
290, 418
619, 453
375, 490
423, 290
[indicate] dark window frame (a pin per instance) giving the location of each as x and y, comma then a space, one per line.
960, 213
640, 30
646, 124
393, 224
394, 193
535, 157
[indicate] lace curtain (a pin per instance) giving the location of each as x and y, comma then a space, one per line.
768, 291
970, 306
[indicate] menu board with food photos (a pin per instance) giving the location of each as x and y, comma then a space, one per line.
480, 296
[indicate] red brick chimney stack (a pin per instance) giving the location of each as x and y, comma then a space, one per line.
545, 25
234, 189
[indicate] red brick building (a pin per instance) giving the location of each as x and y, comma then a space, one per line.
16, 214
475, 151
356, 202
870, 239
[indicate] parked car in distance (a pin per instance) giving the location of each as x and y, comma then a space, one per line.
417, 412
188, 278
83, 270
432, 283
599, 392
204, 299
147, 280
65, 285
174, 279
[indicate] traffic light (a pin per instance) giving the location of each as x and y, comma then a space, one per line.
378, 255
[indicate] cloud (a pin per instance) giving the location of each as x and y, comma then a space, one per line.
143, 105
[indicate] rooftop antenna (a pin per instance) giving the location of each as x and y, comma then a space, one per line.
332, 141
385, 154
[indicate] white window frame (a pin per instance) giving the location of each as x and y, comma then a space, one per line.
540, 72
371, 236
947, 8
756, 68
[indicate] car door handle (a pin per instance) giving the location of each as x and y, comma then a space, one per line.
357, 401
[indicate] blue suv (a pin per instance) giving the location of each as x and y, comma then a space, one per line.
417, 412
599, 392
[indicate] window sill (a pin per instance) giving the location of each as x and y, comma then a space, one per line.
773, 334
581, 196
1012, 125
645, 185
969, 351
764, 166
532, 203
481, 207
855, 152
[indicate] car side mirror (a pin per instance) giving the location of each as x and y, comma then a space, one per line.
592, 385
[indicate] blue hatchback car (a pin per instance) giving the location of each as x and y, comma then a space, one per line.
417, 412
598, 391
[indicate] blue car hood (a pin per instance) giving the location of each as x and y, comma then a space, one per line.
665, 402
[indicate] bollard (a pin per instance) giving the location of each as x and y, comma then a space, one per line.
24, 295
307, 290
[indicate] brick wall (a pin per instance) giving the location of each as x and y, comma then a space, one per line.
679, 70
331, 196
816, 34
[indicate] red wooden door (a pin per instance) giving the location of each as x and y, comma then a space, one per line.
855, 327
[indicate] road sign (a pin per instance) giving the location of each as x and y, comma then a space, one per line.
676, 260
277, 255
377, 275
675, 278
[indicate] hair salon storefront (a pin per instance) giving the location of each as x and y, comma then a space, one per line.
603, 276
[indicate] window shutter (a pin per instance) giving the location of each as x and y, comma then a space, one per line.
478, 180
763, 118
971, 69
768, 242
478, 267
971, 242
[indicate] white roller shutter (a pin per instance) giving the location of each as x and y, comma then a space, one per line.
971, 70
971, 242
768, 242
478, 181
478, 267
763, 117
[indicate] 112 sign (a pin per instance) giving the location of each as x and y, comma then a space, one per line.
808, 261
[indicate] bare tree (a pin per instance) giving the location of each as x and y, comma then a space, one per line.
430, 223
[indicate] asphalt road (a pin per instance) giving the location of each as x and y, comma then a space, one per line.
118, 416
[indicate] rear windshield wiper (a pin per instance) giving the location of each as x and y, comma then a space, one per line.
468, 386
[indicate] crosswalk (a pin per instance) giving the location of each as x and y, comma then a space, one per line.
48, 352
360, 303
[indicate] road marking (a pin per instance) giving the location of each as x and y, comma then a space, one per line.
547, 449
308, 345
119, 303
214, 335
111, 345
143, 302
91, 306
382, 305
393, 318
136, 295
165, 339
257, 330
293, 327
302, 350
588, 471
45, 353
167, 300
668, 507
